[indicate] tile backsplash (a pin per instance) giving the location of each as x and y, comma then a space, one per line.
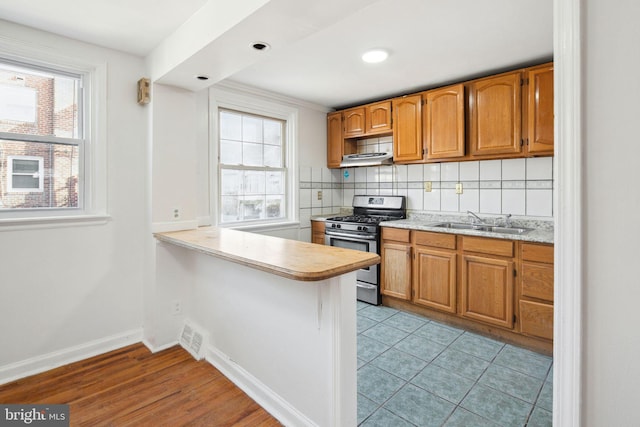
521, 187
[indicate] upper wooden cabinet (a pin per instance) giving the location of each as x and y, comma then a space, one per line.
495, 112
407, 129
378, 118
444, 122
539, 105
335, 143
354, 122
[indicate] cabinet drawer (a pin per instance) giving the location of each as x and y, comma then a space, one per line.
438, 240
539, 253
488, 246
537, 281
397, 234
536, 319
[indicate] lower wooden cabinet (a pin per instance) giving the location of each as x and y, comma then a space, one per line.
317, 232
495, 282
435, 270
536, 290
487, 290
395, 268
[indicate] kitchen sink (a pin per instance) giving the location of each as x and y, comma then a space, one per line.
483, 227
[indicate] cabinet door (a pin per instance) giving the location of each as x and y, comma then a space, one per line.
487, 290
354, 122
334, 139
407, 129
540, 110
396, 270
444, 122
496, 114
536, 319
317, 232
378, 118
435, 279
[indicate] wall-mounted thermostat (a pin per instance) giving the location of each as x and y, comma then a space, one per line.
144, 88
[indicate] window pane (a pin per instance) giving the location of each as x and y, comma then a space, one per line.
251, 129
252, 154
272, 132
230, 126
231, 182
252, 207
26, 181
57, 182
25, 166
230, 208
273, 156
230, 152
38, 103
275, 207
275, 183
254, 182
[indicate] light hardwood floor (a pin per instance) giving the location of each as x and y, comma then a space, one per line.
133, 387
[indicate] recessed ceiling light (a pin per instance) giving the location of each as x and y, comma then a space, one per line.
374, 56
261, 46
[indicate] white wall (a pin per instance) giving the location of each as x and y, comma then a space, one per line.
78, 289
611, 340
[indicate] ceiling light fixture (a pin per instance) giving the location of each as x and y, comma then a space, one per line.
374, 56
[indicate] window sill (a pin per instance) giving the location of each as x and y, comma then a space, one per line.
11, 224
265, 227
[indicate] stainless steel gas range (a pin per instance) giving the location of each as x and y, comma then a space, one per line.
361, 231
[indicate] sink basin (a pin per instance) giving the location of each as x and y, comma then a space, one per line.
482, 227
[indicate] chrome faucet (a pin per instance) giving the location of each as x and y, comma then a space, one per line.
476, 219
507, 220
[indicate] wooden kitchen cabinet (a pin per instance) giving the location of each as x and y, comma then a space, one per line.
395, 270
378, 118
539, 117
434, 270
495, 116
354, 122
536, 290
317, 232
444, 122
407, 129
335, 142
487, 283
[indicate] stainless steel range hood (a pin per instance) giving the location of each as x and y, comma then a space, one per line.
367, 159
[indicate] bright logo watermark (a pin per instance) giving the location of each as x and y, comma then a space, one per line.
34, 415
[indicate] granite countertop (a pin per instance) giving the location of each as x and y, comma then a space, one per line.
542, 230
287, 258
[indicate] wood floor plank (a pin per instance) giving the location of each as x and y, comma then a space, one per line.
133, 387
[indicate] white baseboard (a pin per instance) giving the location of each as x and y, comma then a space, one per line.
38, 364
263, 395
155, 349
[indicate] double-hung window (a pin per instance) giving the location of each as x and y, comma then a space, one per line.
41, 139
253, 169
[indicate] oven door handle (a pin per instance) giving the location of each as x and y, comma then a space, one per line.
351, 236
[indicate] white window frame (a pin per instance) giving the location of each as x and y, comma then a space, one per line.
93, 160
229, 99
10, 174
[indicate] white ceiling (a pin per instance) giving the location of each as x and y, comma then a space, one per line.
432, 42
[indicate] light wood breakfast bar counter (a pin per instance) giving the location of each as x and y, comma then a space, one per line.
288, 258
278, 315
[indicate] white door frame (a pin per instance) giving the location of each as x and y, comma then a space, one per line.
567, 381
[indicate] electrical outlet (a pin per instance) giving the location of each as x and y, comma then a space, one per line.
175, 213
176, 307
320, 195
459, 188
428, 186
